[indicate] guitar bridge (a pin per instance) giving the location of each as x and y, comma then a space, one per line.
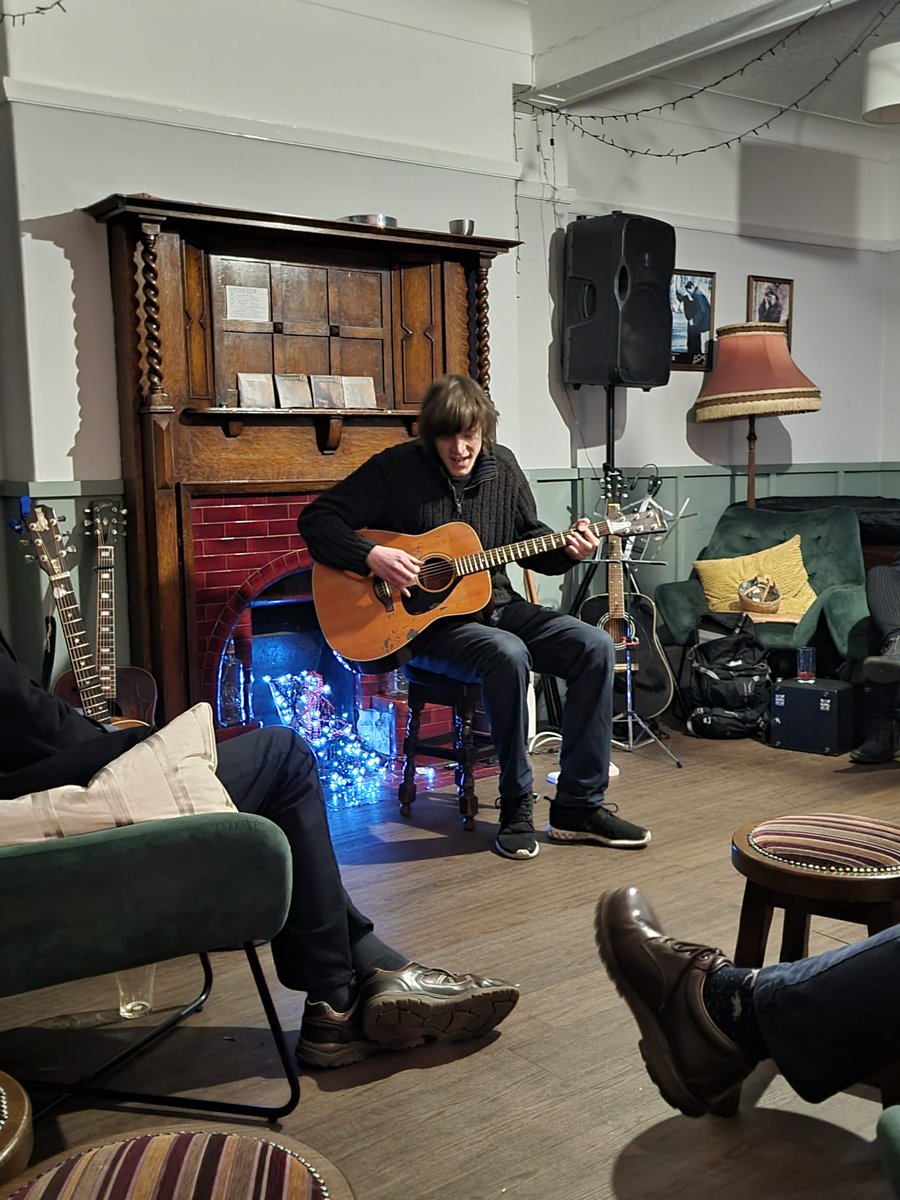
383, 595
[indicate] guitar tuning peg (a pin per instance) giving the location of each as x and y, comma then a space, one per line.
29, 558
61, 519
69, 550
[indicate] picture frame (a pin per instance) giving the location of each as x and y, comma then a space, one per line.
768, 293
692, 299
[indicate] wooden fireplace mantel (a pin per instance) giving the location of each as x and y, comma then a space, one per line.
398, 305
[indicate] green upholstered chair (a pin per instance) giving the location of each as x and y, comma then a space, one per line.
71, 908
832, 554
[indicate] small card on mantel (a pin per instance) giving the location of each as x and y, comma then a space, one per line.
327, 391
359, 391
293, 391
255, 391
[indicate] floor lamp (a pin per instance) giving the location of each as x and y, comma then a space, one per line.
753, 375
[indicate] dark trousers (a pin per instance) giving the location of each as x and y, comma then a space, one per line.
500, 655
883, 597
831, 1021
273, 772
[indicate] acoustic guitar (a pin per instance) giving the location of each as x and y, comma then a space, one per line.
634, 637
39, 526
371, 623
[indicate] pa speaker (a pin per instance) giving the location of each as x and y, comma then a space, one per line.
616, 310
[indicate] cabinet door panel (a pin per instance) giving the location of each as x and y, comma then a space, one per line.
302, 355
350, 356
240, 352
300, 298
356, 299
239, 344
418, 331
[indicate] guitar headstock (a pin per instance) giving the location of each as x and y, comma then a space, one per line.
38, 530
106, 521
636, 524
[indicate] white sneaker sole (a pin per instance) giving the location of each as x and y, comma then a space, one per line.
583, 835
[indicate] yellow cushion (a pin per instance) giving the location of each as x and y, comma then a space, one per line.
170, 774
720, 578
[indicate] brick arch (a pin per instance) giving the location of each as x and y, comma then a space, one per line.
234, 619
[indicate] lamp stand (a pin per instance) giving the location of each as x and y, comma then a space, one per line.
751, 463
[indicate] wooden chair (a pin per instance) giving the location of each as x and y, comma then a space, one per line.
465, 747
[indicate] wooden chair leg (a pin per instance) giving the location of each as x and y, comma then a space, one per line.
464, 724
407, 791
753, 930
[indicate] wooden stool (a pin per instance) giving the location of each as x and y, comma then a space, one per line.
426, 687
16, 1137
823, 864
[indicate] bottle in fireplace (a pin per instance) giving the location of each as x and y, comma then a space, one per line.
232, 697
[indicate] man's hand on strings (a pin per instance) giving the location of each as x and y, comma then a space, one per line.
581, 541
394, 566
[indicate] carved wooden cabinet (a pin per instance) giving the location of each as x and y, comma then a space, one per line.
399, 306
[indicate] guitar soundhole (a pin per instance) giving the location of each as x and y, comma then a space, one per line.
436, 574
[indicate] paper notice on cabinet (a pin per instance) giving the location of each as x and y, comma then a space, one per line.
246, 303
255, 391
293, 391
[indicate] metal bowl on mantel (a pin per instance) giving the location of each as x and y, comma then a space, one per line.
380, 220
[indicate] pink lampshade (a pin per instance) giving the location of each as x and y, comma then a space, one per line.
753, 374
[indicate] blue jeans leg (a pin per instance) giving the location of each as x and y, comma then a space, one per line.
831, 1021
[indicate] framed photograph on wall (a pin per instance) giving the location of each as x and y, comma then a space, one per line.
692, 298
770, 299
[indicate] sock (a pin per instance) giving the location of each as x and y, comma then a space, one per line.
339, 998
370, 951
728, 997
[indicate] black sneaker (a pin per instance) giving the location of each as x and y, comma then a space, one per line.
516, 838
594, 823
880, 746
884, 667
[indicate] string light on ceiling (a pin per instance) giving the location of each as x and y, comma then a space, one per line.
16, 18
577, 121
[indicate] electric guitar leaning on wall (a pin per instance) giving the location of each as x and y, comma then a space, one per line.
633, 633
371, 623
39, 529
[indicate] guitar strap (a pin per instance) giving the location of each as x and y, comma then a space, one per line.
49, 651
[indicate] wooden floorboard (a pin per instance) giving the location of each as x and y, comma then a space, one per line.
556, 1102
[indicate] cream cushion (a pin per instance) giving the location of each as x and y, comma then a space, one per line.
170, 774
720, 578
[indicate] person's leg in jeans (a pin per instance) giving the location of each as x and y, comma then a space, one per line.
363, 995
828, 1021
582, 656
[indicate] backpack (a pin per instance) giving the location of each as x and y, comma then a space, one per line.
731, 681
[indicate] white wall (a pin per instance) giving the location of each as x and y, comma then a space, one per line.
765, 207
370, 115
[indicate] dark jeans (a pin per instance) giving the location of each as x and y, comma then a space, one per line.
500, 655
273, 772
883, 598
831, 1021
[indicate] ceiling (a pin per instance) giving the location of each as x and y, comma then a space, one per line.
688, 53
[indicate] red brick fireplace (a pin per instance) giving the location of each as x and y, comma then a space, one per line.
242, 545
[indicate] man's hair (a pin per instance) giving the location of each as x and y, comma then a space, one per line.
690, 284
457, 404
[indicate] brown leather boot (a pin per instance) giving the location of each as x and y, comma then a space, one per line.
695, 1066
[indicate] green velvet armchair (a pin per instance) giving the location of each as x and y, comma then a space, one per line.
71, 908
832, 554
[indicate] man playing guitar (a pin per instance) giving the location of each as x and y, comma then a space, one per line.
456, 472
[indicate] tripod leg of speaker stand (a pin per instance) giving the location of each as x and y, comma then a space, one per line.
631, 719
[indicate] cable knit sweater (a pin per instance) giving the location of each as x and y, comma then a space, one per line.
405, 489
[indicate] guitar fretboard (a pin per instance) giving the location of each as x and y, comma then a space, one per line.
93, 700
106, 621
470, 564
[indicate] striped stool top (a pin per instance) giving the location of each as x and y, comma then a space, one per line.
838, 844
185, 1165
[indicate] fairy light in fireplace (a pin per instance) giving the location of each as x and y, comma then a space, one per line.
349, 769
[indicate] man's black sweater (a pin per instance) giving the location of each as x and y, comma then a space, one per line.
405, 489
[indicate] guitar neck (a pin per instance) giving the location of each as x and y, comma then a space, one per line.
106, 620
470, 564
615, 580
93, 700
